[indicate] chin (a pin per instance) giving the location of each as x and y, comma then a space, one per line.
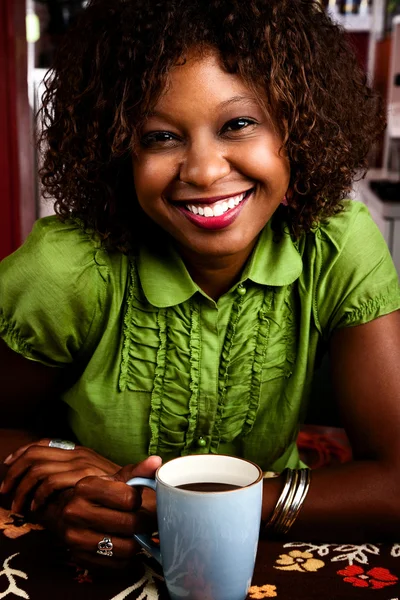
218, 248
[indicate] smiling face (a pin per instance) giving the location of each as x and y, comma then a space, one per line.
208, 168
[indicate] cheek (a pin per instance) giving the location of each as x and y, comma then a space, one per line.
145, 179
152, 176
263, 163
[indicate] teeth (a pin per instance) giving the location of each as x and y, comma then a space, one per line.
217, 209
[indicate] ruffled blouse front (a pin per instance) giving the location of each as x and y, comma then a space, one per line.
162, 368
204, 377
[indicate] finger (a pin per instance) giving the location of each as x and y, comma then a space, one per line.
34, 454
81, 514
112, 491
86, 541
54, 482
35, 464
35, 474
11, 458
104, 491
146, 468
29, 458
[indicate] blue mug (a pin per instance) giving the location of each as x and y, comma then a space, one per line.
208, 528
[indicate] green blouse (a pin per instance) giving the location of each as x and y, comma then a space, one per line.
157, 367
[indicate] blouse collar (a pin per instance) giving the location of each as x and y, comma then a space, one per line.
275, 261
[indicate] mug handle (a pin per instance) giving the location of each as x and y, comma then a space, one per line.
144, 539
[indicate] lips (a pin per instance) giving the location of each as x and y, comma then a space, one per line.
217, 214
216, 209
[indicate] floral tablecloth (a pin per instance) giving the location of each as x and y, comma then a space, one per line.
33, 566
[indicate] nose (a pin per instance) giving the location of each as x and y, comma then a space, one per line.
204, 164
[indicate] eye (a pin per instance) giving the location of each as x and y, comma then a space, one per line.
236, 125
158, 138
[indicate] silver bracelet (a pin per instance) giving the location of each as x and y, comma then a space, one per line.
281, 500
290, 501
295, 506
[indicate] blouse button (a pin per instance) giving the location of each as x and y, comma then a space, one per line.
201, 442
241, 289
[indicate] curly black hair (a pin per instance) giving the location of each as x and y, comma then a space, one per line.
112, 68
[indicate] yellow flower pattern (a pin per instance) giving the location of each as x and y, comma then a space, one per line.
13, 525
264, 591
298, 561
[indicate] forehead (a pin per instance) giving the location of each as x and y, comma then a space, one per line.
202, 77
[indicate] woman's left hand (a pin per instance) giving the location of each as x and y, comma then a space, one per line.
99, 507
37, 470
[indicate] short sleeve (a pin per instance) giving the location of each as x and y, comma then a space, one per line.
356, 279
51, 293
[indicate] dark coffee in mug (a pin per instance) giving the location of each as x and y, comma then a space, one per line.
205, 486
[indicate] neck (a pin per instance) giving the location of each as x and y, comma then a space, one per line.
215, 275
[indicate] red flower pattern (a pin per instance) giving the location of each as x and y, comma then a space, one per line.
375, 578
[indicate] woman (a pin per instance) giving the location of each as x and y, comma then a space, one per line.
204, 259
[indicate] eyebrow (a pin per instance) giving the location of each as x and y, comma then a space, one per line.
236, 99
224, 104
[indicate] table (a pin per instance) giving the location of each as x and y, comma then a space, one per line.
34, 566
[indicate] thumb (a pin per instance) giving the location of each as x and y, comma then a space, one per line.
146, 468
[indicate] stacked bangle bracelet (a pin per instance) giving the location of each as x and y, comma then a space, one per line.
287, 509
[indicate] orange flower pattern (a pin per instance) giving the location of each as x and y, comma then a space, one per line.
265, 591
14, 525
296, 560
299, 561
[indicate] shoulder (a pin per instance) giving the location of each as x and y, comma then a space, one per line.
348, 227
348, 241
61, 262
56, 291
62, 252
353, 277
60, 246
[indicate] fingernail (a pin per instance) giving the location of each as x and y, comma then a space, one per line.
33, 505
13, 507
1, 487
8, 459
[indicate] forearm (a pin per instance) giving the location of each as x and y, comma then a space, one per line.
355, 501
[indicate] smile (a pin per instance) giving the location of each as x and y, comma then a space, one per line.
215, 213
218, 208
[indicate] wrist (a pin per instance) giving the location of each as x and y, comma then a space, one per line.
272, 489
290, 501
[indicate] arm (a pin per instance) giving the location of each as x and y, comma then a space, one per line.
30, 389
25, 387
80, 513
359, 500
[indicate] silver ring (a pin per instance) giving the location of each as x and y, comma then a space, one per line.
105, 546
62, 444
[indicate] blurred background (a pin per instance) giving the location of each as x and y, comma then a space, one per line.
31, 30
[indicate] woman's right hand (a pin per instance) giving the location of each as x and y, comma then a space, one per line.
37, 471
99, 507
